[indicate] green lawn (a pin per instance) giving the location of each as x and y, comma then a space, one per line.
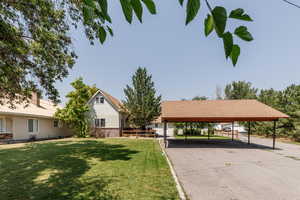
85, 169
204, 137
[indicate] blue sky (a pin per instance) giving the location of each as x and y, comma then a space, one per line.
183, 62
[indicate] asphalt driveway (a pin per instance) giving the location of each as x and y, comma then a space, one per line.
228, 170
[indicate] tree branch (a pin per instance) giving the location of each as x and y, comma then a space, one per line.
293, 4
208, 5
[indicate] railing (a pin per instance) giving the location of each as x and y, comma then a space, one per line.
139, 133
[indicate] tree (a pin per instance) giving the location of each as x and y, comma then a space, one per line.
219, 93
141, 103
36, 49
200, 98
240, 90
74, 113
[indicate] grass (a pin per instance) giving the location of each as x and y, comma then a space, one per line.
204, 137
85, 169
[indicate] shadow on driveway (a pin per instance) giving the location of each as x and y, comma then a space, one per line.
213, 143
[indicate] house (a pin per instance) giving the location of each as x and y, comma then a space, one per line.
158, 126
35, 120
108, 120
106, 117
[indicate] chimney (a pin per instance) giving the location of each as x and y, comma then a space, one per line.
35, 98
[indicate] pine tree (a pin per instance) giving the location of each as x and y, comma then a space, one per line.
141, 102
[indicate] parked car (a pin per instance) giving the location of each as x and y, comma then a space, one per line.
227, 129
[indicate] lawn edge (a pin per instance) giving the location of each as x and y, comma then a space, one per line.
179, 187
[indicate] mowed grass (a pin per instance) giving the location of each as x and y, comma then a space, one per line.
85, 169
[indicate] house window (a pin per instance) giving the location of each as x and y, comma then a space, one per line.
99, 100
97, 123
102, 122
1, 125
33, 125
156, 125
55, 123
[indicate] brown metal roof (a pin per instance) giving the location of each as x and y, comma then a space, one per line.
218, 111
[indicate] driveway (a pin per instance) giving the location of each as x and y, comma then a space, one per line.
217, 170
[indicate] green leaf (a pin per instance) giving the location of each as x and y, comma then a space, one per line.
235, 53
110, 31
209, 25
228, 43
192, 9
150, 5
181, 2
101, 34
239, 14
138, 9
127, 10
103, 6
243, 33
220, 18
89, 3
87, 14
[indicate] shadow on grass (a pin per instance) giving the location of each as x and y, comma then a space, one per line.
55, 170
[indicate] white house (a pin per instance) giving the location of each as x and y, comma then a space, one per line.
106, 114
34, 120
107, 119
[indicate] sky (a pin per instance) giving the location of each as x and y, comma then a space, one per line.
182, 61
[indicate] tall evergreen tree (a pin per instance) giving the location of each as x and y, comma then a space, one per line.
141, 102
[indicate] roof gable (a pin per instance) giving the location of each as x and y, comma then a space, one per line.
116, 104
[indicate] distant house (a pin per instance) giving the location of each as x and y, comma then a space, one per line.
108, 120
35, 120
106, 115
158, 126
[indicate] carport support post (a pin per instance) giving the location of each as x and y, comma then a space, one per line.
274, 134
185, 132
249, 132
165, 134
232, 131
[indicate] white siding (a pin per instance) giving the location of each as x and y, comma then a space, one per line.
45, 130
104, 111
159, 128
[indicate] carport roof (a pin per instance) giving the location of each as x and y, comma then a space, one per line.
218, 111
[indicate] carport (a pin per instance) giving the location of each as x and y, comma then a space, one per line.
218, 111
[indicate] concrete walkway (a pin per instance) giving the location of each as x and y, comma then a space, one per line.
217, 170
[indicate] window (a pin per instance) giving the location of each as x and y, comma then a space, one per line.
156, 125
33, 125
1, 125
97, 123
99, 100
102, 123
56, 124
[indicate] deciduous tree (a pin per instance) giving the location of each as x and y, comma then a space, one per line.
36, 47
240, 90
74, 114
